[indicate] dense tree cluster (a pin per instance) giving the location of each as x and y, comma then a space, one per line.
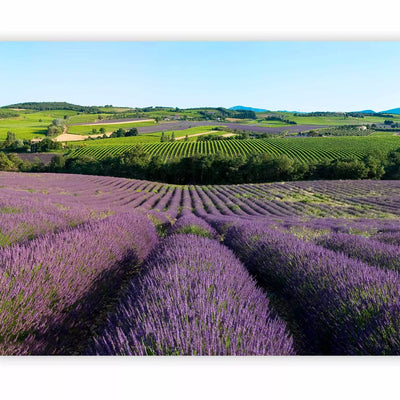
116, 134
216, 168
55, 105
222, 169
280, 118
123, 133
15, 145
223, 113
47, 145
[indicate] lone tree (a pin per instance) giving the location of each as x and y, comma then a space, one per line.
56, 127
10, 137
53, 130
58, 122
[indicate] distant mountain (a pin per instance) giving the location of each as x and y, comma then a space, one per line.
392, 111
242, 108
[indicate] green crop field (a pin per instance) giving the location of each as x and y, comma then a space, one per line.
331, 120
153, 137
78, 118
384, 133
31, 124
303, 149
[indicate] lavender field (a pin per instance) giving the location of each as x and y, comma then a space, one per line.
94, 265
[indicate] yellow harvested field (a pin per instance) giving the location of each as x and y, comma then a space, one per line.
69, 137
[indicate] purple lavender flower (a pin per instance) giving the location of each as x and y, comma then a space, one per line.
195, 298
342, 305
43, 280
189, 223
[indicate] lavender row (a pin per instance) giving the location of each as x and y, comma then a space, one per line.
195, 298
189, 223
108, 194
365, 249
388, 237
25, 219
50, 277
343, 305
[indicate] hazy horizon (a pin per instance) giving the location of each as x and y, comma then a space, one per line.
293, 76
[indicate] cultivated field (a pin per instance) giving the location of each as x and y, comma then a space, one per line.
102, 265
301, 148
86, 129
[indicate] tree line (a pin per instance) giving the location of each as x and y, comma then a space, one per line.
55, 105
216, 168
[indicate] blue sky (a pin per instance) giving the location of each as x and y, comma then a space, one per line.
301, 76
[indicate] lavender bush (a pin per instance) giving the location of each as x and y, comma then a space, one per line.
195, 298
25, 219
365, 249
388, 237
42, 281
343, 305
189, 223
